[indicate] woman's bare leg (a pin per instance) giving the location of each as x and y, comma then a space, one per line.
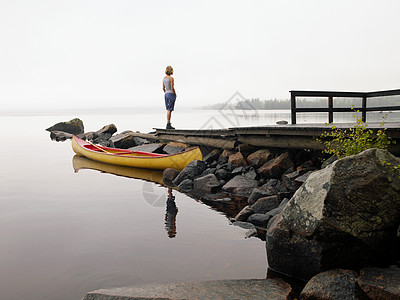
169, 113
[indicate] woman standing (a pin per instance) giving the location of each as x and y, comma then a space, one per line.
170, 94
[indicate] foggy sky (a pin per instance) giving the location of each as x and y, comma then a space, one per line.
81, 53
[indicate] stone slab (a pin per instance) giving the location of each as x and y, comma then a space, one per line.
255, 289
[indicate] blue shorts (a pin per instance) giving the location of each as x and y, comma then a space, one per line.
170, 101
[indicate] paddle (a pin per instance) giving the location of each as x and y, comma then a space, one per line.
98, 147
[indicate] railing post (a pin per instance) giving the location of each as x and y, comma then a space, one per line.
364, 109
330, 106
293, 107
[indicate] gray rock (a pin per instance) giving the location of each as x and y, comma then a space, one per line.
259, 219
244, 214
344, 216
245, 289
258, 193
74, 126
222, 166
237, 171
301, 179
212, 156
244, 225
379, 283
152, 148
265, 204
213, 164
273, 213
273, 187
334, 284
208, 183
108, 129
251, 174
208, 171
192, 170
169, 175
124, 140
222, 174
272, 221
186, 185
175, 147
91, 135
104, 140
240, 185
60, 136
292, 181
260, 157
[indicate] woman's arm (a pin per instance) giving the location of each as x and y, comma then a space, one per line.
171, 79
163, 86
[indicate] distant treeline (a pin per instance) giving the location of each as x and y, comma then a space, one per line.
257, 104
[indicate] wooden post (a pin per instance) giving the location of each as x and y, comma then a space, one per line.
293, 107
330, 106
364, 109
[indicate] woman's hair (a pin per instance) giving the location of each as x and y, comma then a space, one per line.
169, 70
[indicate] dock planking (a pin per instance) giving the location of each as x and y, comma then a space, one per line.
294, 136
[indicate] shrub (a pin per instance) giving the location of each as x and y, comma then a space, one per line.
353, 140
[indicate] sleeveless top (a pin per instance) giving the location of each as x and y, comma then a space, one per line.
167, 85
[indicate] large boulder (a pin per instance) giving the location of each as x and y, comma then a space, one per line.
344, 216
74, 126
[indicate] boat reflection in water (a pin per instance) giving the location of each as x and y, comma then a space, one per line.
82, 163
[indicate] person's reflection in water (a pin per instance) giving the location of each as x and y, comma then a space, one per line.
170, 215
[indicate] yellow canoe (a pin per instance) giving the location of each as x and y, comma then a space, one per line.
129, 158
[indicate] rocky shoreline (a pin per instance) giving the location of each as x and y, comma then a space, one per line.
336, 227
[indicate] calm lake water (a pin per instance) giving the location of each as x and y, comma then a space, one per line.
63, 233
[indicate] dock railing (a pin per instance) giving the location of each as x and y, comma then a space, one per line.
331, 109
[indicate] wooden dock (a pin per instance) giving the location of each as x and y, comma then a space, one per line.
295, 136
